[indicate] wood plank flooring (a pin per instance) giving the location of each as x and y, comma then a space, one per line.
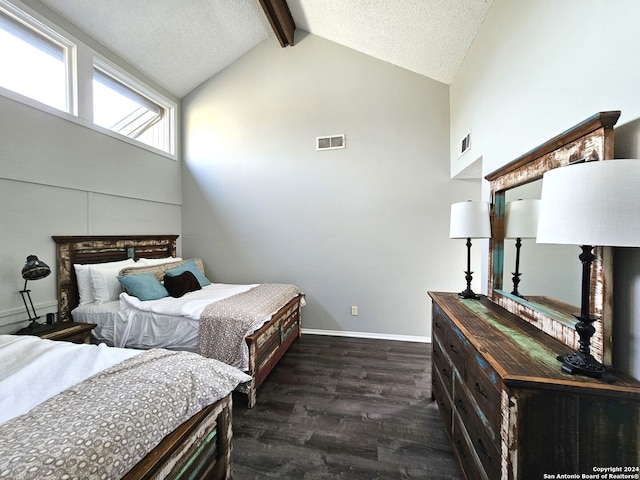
345, 408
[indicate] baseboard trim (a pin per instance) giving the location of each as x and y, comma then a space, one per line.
376, 336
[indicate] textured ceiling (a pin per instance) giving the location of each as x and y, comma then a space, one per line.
182, 43
430, 37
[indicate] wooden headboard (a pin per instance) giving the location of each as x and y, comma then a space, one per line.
101, 249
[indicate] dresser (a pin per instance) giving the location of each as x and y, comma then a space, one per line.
511, 413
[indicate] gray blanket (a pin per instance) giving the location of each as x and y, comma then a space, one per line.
225, 324
103, 426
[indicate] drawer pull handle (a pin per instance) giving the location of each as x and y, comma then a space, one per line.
461, 405
445, 372
453, 348
437, 324
480, 391
482, 448
460, 449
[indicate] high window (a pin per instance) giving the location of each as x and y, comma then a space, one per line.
129, 109
35, 60
39, 61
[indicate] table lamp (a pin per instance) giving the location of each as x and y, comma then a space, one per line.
590, 204
469, 220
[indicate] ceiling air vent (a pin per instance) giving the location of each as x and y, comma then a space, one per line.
330, 143
465, 145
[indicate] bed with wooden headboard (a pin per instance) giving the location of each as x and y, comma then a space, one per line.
266, 345
112, 412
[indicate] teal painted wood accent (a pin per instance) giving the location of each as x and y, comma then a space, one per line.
186, 469
461, 336
532, 347
499, 206
482, 363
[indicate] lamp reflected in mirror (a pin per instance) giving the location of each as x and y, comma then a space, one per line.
590, 204
521, 221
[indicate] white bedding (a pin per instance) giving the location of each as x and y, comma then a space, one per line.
189, 305
27, 378
170, 323
148, 329
102, 426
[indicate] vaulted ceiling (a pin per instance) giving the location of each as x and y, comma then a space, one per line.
182, 43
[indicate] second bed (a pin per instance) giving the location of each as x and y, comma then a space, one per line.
247, 326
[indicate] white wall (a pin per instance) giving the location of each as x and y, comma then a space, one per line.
538, 67
59, 177
366, 225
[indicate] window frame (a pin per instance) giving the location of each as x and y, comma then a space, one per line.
129, 81
49, 32
82, 57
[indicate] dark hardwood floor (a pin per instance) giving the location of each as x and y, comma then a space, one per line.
344, 408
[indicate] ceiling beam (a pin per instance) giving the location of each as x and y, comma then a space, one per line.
277, 11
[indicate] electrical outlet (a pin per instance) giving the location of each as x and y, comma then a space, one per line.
354, 310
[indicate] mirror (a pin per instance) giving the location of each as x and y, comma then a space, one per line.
546, 270
551, 301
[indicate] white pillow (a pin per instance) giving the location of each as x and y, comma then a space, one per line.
147, 262
84, 283
104, 280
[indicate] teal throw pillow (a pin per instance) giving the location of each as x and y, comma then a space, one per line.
144, 286
189, 266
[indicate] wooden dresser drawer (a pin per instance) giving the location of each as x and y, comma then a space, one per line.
484, 437
443, 399
452, 341
484, 384
456, 349
440, 323
443, 366
515, 415
464, 451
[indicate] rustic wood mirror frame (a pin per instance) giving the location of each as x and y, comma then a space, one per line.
591, 139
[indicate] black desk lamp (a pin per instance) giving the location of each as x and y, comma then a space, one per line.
34, 269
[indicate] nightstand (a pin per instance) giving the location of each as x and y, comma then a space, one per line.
65, 331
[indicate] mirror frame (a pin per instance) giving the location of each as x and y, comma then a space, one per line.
591, 139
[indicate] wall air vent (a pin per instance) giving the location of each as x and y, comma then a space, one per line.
330, 142
465, 145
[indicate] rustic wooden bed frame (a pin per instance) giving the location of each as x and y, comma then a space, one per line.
266, 346
200, 448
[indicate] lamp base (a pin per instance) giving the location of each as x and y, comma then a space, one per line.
468, 293
578, 363
516, 282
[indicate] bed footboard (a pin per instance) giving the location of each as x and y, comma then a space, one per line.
267, 345
198, 449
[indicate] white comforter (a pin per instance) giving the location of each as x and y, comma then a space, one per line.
27, 379
190, 305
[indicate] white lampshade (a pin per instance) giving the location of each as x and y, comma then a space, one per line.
521, 218
593, 203
470, 220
